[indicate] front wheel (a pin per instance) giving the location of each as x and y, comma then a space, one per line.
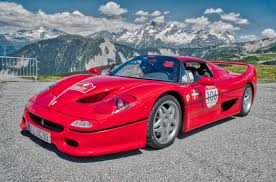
247, 100
164, 122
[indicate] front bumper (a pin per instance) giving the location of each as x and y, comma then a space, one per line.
99, 142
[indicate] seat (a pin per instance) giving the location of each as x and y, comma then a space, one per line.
194, 72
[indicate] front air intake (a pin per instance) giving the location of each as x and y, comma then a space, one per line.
46, 124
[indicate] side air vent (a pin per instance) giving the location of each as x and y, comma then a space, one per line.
228, 104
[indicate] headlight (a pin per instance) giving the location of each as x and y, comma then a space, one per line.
116, 104
81, 124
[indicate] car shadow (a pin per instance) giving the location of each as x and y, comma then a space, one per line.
52, 148
182, 135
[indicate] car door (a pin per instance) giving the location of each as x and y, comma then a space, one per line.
204, 102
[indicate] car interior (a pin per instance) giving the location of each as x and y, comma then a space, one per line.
196, 70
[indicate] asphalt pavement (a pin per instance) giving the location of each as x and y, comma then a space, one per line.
234, 149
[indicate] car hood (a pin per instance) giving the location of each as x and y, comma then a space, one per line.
81, 98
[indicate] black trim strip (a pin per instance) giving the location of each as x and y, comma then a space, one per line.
113, 127
201, 100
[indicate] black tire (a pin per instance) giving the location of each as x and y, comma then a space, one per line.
151, 139
244, 111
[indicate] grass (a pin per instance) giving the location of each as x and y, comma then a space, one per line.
265, 73
49, 78
259, 58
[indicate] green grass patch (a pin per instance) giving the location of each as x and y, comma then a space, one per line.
49, 78
236, 68
259, 58
265, 73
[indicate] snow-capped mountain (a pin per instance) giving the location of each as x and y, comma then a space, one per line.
21, 38
171, 35
39, 33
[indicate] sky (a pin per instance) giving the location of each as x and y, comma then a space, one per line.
247, 19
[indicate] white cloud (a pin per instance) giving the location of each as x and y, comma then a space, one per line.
156, 13
212, 11
220, 26
142, 13
112, 9
14, 16
77, 13
159, 19
166, 12
178, 24
198, 22
270, 33
248, 37
234, 17
141, 19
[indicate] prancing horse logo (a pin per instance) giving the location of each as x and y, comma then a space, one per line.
42, 122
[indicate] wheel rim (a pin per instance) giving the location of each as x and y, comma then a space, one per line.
247, 99
166, 122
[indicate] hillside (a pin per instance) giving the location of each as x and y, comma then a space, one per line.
71, 53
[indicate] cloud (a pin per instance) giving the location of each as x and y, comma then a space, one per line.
14, 17
198, 22
213, 11
141, 19
112, 9
142, 13
248, 37
270, 33
234, 17
220, 26
159, 19
156, 13
178, 24
166, 12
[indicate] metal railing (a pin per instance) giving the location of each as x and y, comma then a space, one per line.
18, 67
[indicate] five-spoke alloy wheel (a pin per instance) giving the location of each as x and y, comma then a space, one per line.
247, 100
164, 122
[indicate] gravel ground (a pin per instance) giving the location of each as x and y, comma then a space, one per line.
234, 149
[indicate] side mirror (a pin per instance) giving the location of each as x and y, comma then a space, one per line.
207, 81
94, 71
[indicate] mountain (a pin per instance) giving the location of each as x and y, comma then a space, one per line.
263, 45
21, 38
71, 53
171, 35
103, 34
150, 35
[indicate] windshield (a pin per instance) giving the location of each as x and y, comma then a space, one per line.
163, 68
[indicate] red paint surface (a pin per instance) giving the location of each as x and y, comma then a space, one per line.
126, 130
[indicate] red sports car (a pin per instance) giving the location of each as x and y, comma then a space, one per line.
144, 101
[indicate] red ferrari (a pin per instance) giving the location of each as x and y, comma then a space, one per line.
144, 101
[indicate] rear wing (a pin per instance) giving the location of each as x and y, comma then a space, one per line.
229, 63
248, 74
250, 67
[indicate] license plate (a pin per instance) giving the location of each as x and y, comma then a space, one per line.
43, 135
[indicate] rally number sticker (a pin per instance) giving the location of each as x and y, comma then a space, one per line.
211, 94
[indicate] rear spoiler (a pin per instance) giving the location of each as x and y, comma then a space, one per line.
231, 63
249, 71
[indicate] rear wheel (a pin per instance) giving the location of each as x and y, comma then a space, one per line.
164, 122
246, 100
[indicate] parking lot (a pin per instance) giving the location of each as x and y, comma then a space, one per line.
234, 149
